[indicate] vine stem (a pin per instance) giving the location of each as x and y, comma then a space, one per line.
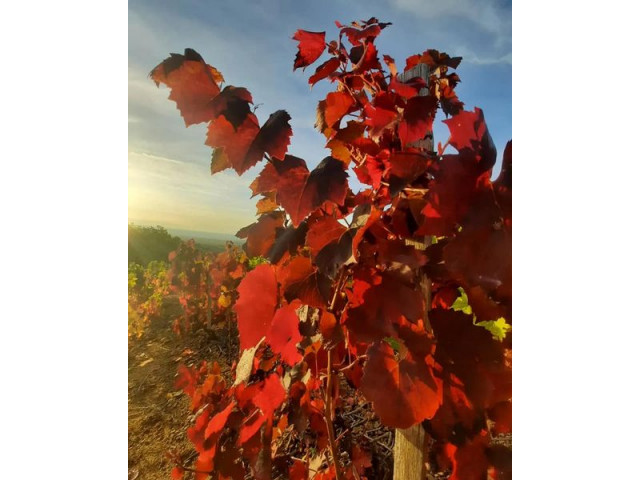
337, 290
361, 357
193, 470
371, 85
328, 397
328, 414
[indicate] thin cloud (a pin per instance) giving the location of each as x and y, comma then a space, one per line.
184, 195
488, 15
471, 57
250, 43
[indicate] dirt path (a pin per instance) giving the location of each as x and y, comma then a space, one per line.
158, 414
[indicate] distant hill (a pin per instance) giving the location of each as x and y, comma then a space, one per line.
188, 234
207, 241
150, 243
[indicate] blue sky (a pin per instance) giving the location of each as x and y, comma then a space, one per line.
250, 43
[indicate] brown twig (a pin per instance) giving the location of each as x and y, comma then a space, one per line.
377, 443
361, 357
337, 289
328, 418
187, 469
374, 88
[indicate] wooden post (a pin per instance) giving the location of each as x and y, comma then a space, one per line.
409, 454
421, 70
410, 449
209, 307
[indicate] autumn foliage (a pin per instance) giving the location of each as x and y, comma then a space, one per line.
396, 290
205, 284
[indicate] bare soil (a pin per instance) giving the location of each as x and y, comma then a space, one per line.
159, 415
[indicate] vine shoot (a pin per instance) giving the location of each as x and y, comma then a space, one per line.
395, 299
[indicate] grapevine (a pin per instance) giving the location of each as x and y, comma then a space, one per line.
147, 289
401, 291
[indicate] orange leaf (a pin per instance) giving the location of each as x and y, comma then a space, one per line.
256, 304
193, 84
337, 106
403, 392
310, 47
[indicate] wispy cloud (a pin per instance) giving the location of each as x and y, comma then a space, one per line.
169, 181
492, 16
185, 193
471, 57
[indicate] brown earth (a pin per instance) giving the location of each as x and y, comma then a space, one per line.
159, 415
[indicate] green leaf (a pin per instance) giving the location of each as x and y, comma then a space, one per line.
255, 261
498, 328
394, 343
461, 303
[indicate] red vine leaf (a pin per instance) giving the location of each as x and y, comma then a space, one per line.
256, 304
233, 103
235, 140
216, 424
368, 34
407, 167
299, 470
432, 58
273, 137
287, 240
193, 84
219, 161
469, 460
267, 396
364, 58
501, 415
379, 303
187, 379
177, 473
338, 104
444, 297
299, 191
467, 129
391, 63
417, 119
482, 257
335, 254
381, 114
246, 143
322, 231
283, 336
403, 392
315, 291
266, 204
261, 235
196, 433
330, 329
450, 194
250, 427
287, 178
407, 89
361, 459
204, 463
327, 182
324, 70
293, 271
310, 47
